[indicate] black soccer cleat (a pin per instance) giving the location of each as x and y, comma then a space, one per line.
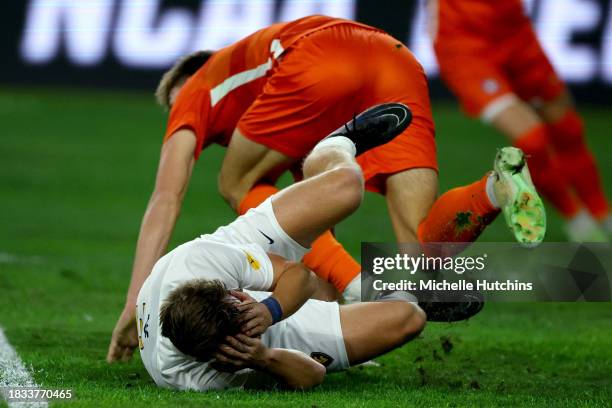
375, 126
463, 306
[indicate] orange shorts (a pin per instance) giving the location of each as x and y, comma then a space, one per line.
481, 71
324, 79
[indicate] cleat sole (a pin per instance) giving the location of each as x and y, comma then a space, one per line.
523, 210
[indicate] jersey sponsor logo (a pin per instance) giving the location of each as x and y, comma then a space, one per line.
270, 240
322, 358
252, 261
143, 326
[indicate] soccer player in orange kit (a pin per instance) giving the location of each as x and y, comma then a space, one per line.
270, 98
491, 59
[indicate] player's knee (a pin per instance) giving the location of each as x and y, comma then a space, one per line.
413, 322
232, 192
347, 183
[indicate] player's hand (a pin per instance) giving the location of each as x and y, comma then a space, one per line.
254, 316
240, 352
125, 337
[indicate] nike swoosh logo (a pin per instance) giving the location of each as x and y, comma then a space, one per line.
270, 240
397, 116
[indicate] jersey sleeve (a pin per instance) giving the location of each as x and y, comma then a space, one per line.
190, 111
184, 373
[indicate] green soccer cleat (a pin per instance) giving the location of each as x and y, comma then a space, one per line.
522, 206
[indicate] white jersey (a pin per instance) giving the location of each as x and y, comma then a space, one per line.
227, 255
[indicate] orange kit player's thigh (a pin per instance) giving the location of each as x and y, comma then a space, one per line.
475, 77
315, 88
529, 70
395, 75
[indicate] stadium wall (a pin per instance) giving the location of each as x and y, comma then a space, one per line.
128, 43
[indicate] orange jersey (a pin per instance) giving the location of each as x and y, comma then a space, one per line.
488, 53
464, 22
212, 101
289, 85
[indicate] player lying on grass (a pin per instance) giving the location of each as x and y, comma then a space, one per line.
270, 98
491, 59
195, 332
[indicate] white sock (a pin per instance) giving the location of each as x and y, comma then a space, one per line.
491, 190
398, 296
352, 292
583, 228
339, 142
606, 224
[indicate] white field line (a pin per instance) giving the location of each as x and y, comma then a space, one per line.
12, 259
13, 373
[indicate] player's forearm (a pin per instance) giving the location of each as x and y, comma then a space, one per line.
292, 368
296, 285
155, 232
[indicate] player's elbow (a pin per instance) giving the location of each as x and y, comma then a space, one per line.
315, 376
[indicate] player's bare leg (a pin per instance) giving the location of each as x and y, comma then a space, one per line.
410, 195
570, 145
333, 184
247, 163
362, 323
332, 191
247, 178
516, 120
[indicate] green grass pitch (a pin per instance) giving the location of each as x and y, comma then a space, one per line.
76, 171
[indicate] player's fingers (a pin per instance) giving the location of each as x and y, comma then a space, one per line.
240, 295
226, 362
236, 344
248, 305
255, 331
246, 339
126, 355
115, 352
251, 324
222, 358
246, 316
232, 352
112, 356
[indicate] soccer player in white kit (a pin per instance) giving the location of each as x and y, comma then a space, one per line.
197, 330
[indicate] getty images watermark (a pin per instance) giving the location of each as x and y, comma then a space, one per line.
499, 271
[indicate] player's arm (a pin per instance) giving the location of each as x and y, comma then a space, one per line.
292, 285
173, 174
291, 368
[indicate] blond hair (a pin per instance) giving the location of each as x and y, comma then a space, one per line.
181, 70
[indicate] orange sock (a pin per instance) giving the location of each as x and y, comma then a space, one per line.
327, 258
546, 171
330, 261
256, 196
578, 163
459, 215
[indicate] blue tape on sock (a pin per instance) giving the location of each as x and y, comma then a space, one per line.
275, 309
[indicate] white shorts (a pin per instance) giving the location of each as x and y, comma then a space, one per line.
314, 329
259, 226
